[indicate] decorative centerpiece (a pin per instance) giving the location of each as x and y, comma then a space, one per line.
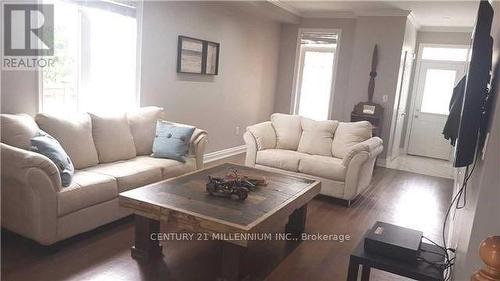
369, 110
233, 185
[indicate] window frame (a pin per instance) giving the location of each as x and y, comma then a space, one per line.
139, 20
298, 65
421, 47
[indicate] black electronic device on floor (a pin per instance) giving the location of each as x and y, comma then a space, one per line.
394, 242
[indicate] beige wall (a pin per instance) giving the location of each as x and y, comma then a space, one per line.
358, 36
19, 92
479, 219
388, 34
243, 92
288, 47
458, 38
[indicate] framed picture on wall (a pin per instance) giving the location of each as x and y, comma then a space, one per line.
197, 56
190, 55
212, 65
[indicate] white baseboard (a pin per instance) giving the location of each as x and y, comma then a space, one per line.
217, 155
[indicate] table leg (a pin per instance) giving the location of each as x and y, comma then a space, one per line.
297, 222
352, 273
144, 247
365, 273
232, 264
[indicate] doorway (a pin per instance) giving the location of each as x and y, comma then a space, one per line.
439, 69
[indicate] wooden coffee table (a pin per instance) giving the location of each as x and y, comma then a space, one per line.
184, 202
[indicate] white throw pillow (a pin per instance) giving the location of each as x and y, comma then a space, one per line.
288, 130
349, 134
143, 126
112, 138
264, 135
17, 129
317, 136
74, 133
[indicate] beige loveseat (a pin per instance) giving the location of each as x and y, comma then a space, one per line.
110, 155
339, 154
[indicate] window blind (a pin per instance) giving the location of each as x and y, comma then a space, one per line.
316, 37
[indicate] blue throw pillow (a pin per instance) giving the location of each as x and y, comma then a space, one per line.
171, 141
45, 144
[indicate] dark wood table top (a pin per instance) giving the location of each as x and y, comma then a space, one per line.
185, 200
419, 271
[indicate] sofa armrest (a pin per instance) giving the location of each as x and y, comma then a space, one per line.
251, 145
372, 146
18, 164
30, 185
360, 161
264, 135
197, 146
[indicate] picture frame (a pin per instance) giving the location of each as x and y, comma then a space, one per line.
197, 56
368, 109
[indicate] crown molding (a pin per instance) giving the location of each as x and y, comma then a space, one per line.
355, 14
382, 13
413, 20
329, 14
463, 29
283, 5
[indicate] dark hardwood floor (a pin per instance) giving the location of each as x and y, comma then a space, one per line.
399, 197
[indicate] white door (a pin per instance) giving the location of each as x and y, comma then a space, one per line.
436, 80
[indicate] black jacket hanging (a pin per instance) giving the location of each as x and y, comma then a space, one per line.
452, 125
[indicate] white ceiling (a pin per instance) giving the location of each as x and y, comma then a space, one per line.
426, 13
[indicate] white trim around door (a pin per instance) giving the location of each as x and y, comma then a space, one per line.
416, 79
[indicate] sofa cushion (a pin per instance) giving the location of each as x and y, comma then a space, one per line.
74, 133
172, 141
143, 126
288, 130
169, 168
349, 134
48, 146
264, 135
112, 137
17, 130
323, 166
86, 189
129, 174
317, 136
280, 158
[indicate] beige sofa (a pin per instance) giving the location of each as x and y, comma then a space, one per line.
110, 155
339, 154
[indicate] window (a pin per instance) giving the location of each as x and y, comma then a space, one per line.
443, 53
96, 58
315, 74
438, 89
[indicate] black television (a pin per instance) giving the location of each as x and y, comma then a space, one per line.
473, 116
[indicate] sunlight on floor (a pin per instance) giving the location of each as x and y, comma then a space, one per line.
416, 209
422, 165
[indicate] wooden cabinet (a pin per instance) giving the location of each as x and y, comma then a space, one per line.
360, 113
